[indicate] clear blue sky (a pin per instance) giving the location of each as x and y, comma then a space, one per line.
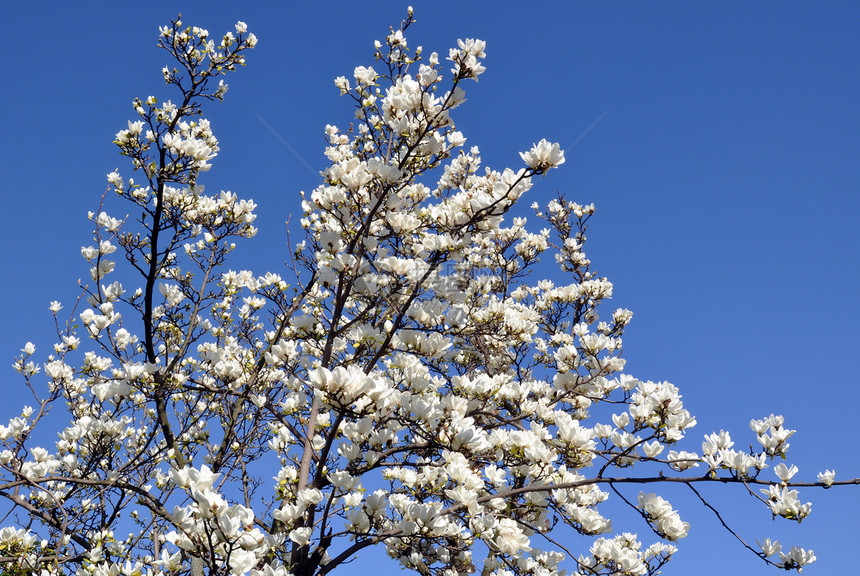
724, 169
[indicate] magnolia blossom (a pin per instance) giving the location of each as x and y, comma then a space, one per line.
665, 519
827, 477
683, 460
797, 558
770, 548
784, 472
784, 502
365, 75
543, 156
509, 538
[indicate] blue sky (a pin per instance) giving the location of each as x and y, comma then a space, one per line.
724, 167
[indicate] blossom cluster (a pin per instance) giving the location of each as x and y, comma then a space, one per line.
415, 385
210, 523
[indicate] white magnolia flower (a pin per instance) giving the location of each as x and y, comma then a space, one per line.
342, 84
797, 558
770, 547
543, 156
784, 472
301, 536
508, 538
365, 75
664, 518
682, 460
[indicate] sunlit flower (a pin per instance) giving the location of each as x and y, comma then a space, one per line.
769, 548
543, 156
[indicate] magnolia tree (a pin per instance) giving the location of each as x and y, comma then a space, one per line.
410, 384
